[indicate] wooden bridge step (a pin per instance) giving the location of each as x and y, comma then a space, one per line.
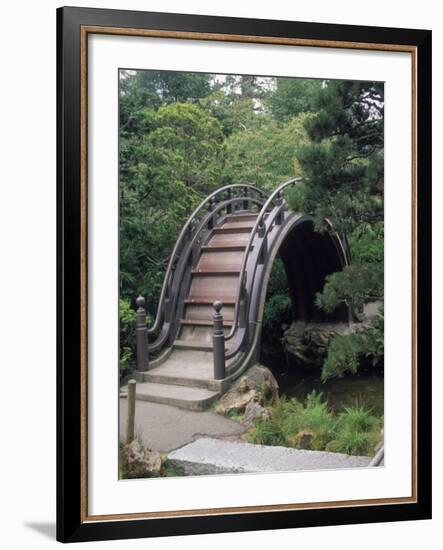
208, 300
223, 246
240, 224
214, 272
223, 260
229, 238
242, 216
223, 230
205, 312
216, 286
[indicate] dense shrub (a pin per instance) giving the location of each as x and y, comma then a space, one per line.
278, 309
355, 431
127, 337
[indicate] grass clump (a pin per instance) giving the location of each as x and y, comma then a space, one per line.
311, 425
236, 415
357, 432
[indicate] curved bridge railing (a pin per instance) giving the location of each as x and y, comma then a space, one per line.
271, 214
202, 219
273, 209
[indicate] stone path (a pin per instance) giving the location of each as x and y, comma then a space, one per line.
208, 456
164, 428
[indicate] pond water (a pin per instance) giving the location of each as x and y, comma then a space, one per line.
365, 389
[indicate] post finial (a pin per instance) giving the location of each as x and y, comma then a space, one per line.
217, 306
140, 301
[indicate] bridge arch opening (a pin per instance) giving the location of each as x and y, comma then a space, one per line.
308, 258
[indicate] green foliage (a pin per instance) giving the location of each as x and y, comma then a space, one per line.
278, 310
267, 433
233, 112
355, 431
342, 356
164, 173
236, 415
367, 243
343, 183
343, 162
127, 331
291, 97
264, 153
184, 134
346, 351
354, 286
278, 305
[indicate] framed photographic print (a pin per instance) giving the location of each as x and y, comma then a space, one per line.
244, 303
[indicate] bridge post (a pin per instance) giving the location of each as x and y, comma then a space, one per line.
218, 343
246, 201
279, 202
130, 420
229, 207
264, 247
141, 332
210, 209
191, 228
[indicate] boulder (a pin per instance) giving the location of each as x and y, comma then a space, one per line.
141, 461
307, 343
254, 411
257, 385
260, 379
235, 400
302, 440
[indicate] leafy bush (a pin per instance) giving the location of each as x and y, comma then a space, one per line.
127, 337
355, 431
346, 351
342, 356
277, 311
267, 433
354, 286
278, 304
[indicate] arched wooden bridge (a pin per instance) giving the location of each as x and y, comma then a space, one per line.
208, 324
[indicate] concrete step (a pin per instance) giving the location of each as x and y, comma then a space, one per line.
180, 379
184, 397
207, 456
190, 368
198, 333
203, 322
193, 345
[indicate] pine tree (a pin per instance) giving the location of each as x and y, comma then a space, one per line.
343, 182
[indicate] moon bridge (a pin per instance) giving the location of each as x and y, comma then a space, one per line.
208, 324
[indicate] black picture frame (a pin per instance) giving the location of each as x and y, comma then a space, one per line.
72, 524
